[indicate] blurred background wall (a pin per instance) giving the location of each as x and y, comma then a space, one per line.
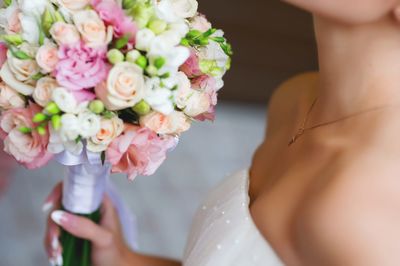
272, 42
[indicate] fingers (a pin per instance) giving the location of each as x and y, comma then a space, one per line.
53, 198
83, 228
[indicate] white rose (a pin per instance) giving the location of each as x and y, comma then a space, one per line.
160, 100
92, 28
24, 70
110, 129
73, 5
9, 98
8, 77
64, 33
185, 8
57, 145
89, 124
144, 38
47, 57
172, 124
183, 91
65, 100
70, 128
124, 88
44, 90
174, 56
30, 28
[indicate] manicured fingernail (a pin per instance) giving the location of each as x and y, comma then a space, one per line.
47, 206
58, 217
52, 262
59, 260
54, 243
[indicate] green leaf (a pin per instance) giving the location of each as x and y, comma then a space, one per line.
218, 39
121, 42
37, 76
7, 3
209, 32
20, 55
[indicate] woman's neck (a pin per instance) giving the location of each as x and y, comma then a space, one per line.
359, 66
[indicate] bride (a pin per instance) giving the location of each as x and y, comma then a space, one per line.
330, 197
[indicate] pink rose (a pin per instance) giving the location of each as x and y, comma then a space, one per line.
81, 67
209, 85
3, 53
191, 67
200, 23
113, 15
138, 151
29, 149
47, 57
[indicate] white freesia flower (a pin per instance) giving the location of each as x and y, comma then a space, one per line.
165, 11
58, 145
33, 7
184, 8
70, 127
110, 129
89, 124
174, 56
159, 98
30, 28
144, 38
73, 5
65, 100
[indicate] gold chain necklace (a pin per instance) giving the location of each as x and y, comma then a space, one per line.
304, 129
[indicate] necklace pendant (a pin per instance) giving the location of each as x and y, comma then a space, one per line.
299, 133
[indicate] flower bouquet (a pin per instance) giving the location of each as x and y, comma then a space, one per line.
104, 86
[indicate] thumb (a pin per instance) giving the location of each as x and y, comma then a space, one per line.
82, 228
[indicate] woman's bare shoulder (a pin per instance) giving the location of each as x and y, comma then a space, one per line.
289, 97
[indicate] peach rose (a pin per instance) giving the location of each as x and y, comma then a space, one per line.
29, 149
47, 58
9, 98
93, 30
110, 129
173, 124
14, 23
23, 69
125, 87
64, 33
44, 90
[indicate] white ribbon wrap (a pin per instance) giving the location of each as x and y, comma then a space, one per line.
85, 183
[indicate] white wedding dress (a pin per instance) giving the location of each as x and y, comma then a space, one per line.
224, 234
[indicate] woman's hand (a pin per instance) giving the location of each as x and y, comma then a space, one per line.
108, 246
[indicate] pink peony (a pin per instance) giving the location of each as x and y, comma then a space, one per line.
81, 67
3, 53
112, 14
209, 85
138, 151
29, 149
191, 67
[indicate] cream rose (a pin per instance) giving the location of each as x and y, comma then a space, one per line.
110, 129
197, 103
47, 58
184, 8
73, 5
125, 87
44, 90
173, 124
64, 33
92, 28
9, 98
23, 70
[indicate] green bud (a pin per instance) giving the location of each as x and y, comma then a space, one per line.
115, 56
202, 41
210, 67
128, 4
14, 39
209, 32
185, 42
25, 130
159, 62
7, 3
47, 21
193, 34
132, 56
39, 117
218, 39
41, 130
96, 106
142, 108
52, 108
56, 122
121, 42
141, 61
142, 12
58, 17
152, 70
157, 26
